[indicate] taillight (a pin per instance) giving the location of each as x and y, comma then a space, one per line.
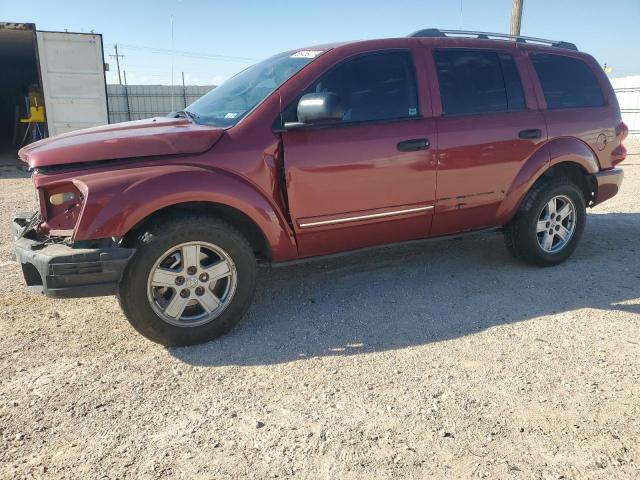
620, 152
622, 131
618, 155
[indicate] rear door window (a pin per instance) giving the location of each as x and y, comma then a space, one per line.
567, 82
478, 81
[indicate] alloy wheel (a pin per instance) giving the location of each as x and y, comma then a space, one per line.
556, 224
191, 284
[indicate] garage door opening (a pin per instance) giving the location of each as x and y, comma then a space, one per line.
20, 78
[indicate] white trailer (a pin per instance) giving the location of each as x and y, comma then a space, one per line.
69, 70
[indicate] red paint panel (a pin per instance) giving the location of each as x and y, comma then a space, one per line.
362, 234
608, 184
356, 170
595, 126
142, 138
479, 158
115, 204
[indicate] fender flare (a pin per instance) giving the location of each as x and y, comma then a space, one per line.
552, 153
116, 202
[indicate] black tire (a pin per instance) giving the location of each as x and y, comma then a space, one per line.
520, 234
152, 244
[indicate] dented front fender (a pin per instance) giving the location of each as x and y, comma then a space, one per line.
116, 202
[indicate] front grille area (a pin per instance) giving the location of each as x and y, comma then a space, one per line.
57, 269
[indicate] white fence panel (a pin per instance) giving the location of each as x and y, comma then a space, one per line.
136, 102
628, 92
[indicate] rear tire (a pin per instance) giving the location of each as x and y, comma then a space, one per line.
535, 235
191, 279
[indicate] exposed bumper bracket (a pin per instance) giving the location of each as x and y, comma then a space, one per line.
62, 271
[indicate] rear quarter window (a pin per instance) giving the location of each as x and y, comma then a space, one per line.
567, 82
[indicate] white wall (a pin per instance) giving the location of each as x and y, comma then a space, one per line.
628, 93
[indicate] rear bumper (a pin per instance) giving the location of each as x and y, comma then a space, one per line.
61, 271
609, 182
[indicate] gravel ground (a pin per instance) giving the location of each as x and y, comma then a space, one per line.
446, 359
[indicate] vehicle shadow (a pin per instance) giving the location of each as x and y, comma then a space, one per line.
401, 296
11, 171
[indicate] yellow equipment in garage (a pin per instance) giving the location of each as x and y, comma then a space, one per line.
36, 114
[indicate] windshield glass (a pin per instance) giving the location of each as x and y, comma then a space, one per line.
226, 105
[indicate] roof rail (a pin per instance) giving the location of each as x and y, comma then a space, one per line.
436, 32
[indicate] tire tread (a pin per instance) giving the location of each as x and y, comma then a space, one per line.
516, 237
171, 230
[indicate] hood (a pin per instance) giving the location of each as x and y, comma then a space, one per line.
140, 138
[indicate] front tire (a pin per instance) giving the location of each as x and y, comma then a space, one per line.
548, 226
191, 280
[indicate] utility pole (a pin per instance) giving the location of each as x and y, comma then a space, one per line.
172, 104
126, 96
516, 17
117, 57
184, 92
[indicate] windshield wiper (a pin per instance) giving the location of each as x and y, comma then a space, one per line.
185, 113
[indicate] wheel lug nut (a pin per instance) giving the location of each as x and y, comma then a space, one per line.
548, 224
199, 291
204, 277
557, 227
192, 270
184, 293
180, 280
551, 232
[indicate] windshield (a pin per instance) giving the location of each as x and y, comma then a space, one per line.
226, 105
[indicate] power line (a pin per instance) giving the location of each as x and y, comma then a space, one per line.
184, 53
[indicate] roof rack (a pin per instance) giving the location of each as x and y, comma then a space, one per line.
436, 32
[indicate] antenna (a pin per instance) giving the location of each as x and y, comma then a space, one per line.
172, 99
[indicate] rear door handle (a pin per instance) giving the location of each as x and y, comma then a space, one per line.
413, 145
530, 134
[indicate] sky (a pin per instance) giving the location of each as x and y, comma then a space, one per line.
214, 39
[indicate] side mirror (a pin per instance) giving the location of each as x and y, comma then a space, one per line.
314, 108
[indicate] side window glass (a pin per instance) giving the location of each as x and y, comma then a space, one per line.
515, 94
375, 86
567, 82
478, 81
470, 82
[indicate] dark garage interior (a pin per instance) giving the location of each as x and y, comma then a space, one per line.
19, 72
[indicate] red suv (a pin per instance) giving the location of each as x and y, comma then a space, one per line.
317, 151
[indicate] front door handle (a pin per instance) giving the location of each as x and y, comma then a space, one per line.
414, 145
530, 134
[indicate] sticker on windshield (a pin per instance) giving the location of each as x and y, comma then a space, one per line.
306, 54
231, 115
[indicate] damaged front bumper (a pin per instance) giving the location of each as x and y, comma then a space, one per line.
62, 271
